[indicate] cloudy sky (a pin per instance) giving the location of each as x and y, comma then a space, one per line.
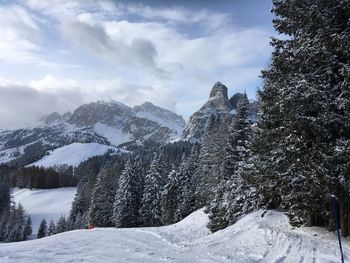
57, 54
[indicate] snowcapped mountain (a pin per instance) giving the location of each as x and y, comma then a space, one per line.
105, 123
220, 104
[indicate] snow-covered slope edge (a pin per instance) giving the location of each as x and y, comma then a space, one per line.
252, 239
73, 154
45, 203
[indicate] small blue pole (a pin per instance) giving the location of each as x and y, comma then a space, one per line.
336, 220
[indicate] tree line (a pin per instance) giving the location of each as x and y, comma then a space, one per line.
39, 177
15, 225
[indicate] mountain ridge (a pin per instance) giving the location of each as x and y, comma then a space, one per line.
109, 123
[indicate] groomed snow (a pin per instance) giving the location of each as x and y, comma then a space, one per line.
73, 154
45, 203
254, 238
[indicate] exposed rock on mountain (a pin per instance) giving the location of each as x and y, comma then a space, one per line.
108, 123
162, 116
218, 104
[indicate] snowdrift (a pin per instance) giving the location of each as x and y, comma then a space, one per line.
253, 239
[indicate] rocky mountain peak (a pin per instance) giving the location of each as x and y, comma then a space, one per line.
55, 117
219, 105
161, 116
111, 113
235, 99
218, 89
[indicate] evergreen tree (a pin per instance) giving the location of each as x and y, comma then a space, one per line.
61, 225
52, 228
5, 197
186, 202
150, 212
169, 198
28, 228
303, 130
16, 225
101, 208
128, 197
42, 231
212, 157
87, 173
231, 196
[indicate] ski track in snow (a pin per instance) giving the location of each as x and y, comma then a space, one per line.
254, 238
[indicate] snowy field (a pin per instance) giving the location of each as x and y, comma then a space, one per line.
73, 154
45, 203
254, 238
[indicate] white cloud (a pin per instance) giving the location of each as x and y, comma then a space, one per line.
24, 103
135, 52
19, 35
179, 15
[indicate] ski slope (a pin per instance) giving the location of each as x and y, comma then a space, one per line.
44, 203
254, 238
73, 154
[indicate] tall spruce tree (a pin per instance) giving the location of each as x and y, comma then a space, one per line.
169, 198
232, 199
101, 208
61, 225
186, 199
212, 155
128, 197
150, 212
28, 228
52, 228
303, 129
42, 231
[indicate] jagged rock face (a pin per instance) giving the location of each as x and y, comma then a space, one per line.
218, 89
109, 123
162, 116
218, 104
235, 99
55, 117
112, 113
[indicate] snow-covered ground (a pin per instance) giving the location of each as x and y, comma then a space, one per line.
44, 203
73, 154
114, 135
254, 238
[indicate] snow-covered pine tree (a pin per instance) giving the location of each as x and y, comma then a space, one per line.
169, 198
212, 156
42, 231
128, 197
186, 202
5, 197
78, 207
61, 225
150, 212
231, 197
52, 228
101, 208
14, 230
309, 81
87, 173
28, 228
